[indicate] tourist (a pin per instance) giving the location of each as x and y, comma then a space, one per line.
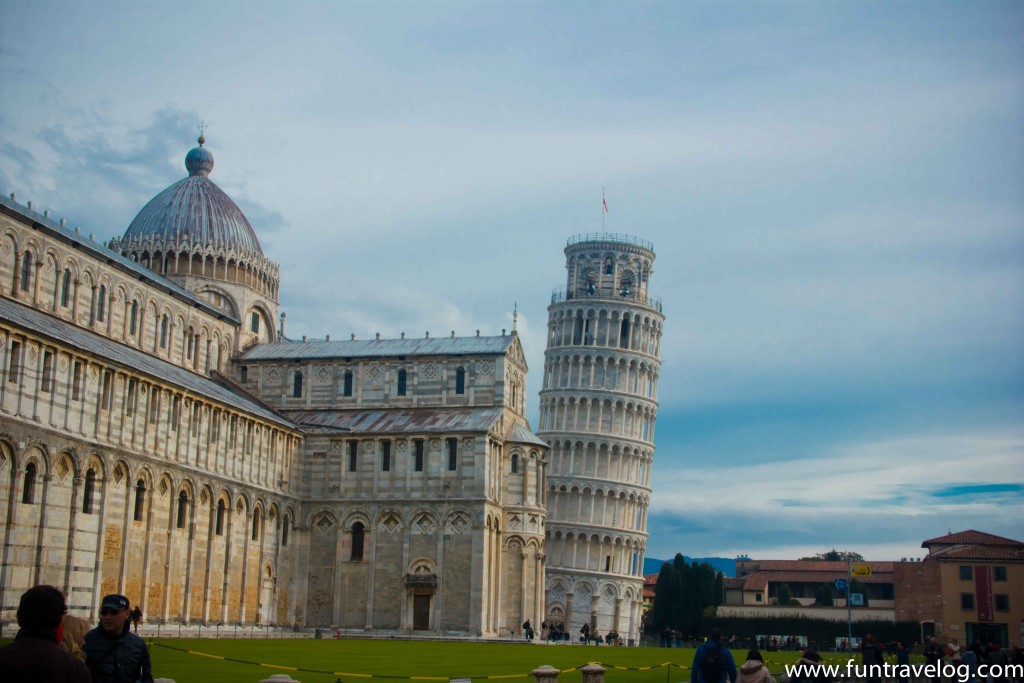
36, 655
73, 639
713, 663
112, 651
136, 617
754, 670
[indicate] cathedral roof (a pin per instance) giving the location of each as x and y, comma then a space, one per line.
89, 246
376, 348
126, 356
196, 210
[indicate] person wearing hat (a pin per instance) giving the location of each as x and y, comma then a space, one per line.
112, 652
36, 655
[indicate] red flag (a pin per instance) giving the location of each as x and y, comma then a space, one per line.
604, 202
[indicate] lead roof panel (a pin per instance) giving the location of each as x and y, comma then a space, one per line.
125, 356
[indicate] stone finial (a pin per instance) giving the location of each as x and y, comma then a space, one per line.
428, 334
453, 334
545, 674
353, 336
403, 335
593, 673
280, 678
378, 336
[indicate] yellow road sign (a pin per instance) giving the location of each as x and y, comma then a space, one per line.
860, 570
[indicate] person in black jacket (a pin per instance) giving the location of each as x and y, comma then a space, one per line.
112, 652
36, 655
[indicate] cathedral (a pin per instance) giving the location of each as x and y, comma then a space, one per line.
161, 437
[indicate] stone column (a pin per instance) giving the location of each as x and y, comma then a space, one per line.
545, 674
593, 673
524, 597
37, 285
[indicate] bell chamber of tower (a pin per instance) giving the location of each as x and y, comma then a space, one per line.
597, 410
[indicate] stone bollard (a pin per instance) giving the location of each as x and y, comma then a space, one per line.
545, 674
280, 678
593, 673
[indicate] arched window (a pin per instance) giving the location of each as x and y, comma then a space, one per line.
297, 385
221, 512
624, 334
65, 288
402, 377
357, 542
348, 383
460, 381
182, 509
256, 522
188, 343
515, 463
88, 491
26, 271
163, 332
133, 320
608, 266
28, 493
254, 323
140, 500
284, 531
101, 303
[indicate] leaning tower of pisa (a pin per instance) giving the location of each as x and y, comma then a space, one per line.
597, 411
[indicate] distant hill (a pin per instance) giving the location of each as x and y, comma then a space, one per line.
723, 564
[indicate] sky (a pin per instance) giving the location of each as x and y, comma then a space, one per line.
834, 190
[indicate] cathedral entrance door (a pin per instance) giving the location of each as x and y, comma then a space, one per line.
421, 612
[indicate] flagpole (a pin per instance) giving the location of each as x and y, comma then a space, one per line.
604, 210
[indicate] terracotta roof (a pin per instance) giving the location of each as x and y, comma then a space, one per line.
734, 583
818, 566
759, 580
650, 579
976, 552
972, 537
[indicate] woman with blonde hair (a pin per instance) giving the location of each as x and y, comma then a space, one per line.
74, 630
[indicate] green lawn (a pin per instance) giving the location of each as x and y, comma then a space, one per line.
376, 660
324, 661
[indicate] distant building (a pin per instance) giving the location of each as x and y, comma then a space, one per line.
970, 585
761, 580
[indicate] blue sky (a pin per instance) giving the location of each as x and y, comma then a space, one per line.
834, 191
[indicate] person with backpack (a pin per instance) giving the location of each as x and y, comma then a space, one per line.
713, 663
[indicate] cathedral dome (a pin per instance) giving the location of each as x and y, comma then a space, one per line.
195, 211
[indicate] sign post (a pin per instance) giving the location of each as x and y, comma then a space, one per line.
849, 613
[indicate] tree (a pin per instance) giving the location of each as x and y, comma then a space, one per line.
784, 594
825, 596
836, 556
664, 597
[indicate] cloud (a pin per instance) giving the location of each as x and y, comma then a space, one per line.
870, 497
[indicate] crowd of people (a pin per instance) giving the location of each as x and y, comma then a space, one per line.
53, 646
